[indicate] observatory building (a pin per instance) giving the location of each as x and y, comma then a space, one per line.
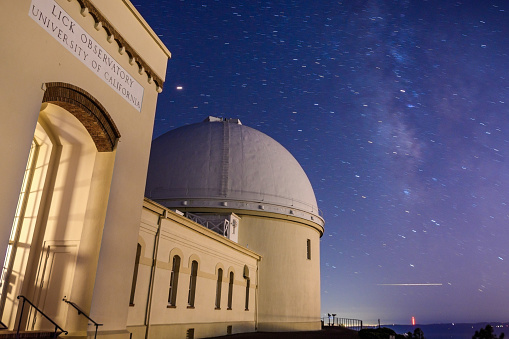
222, 235
247, 187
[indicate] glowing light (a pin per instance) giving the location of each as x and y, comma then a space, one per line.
179, 88
413, 321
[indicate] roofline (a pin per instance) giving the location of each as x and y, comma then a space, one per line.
147, 27
310, 214
186, 222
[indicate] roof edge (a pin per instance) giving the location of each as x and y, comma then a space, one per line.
241, 205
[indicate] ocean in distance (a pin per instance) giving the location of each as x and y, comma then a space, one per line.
450, 330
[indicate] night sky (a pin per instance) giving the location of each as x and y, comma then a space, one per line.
398, 113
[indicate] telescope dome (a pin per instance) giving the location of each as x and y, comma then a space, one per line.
222, 164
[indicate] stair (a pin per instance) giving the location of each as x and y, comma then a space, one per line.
28, 334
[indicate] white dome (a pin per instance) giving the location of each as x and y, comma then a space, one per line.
220, 163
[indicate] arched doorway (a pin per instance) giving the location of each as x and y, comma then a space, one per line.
53, 247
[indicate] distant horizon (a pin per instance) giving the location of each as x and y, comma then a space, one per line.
449, 323
417, 324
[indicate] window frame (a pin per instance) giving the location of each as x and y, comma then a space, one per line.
248, 286
135, 274
193, 276
174, 279
230, 290
219, 286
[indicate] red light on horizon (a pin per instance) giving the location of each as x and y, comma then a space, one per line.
413, 321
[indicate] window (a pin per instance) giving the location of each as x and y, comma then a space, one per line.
230, 291
135, 274
17, 222
309, 249
192, 284
248, 283
218, 288
174, 280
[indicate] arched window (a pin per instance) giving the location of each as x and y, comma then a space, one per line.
192, 284
174, 280
230, 291
135, 274
218, 288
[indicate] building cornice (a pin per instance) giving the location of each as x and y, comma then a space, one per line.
88, 8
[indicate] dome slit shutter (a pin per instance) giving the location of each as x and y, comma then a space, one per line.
225, 163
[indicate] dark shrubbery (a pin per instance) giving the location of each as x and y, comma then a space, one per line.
387, 333
378, 333
487, 333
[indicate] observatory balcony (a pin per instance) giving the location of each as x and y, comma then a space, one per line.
225, 225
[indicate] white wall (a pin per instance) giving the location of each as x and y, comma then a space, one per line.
180, 236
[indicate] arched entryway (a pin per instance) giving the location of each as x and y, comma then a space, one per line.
55, 237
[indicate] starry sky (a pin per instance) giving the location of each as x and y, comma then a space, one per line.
397, 111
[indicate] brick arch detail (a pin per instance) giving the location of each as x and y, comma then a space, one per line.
87, 110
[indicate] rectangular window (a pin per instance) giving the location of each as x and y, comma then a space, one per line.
192, 284
218, 288
17, 222
135, 274
230, 291
174, 279
248, 283
309, 249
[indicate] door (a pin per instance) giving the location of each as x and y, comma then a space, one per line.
56, 271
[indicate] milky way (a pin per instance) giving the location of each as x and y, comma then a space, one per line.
397, 111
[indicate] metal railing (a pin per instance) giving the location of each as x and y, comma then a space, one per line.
41, 312
219, 226
80, 312
352, 324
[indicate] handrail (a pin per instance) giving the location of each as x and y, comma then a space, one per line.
80, 312
3, 326
41, 312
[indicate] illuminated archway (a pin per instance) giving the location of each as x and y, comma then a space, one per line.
64, 206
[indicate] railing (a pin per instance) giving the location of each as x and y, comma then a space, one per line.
352, 324
220, 226
3, 326
80, 312
41, 312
